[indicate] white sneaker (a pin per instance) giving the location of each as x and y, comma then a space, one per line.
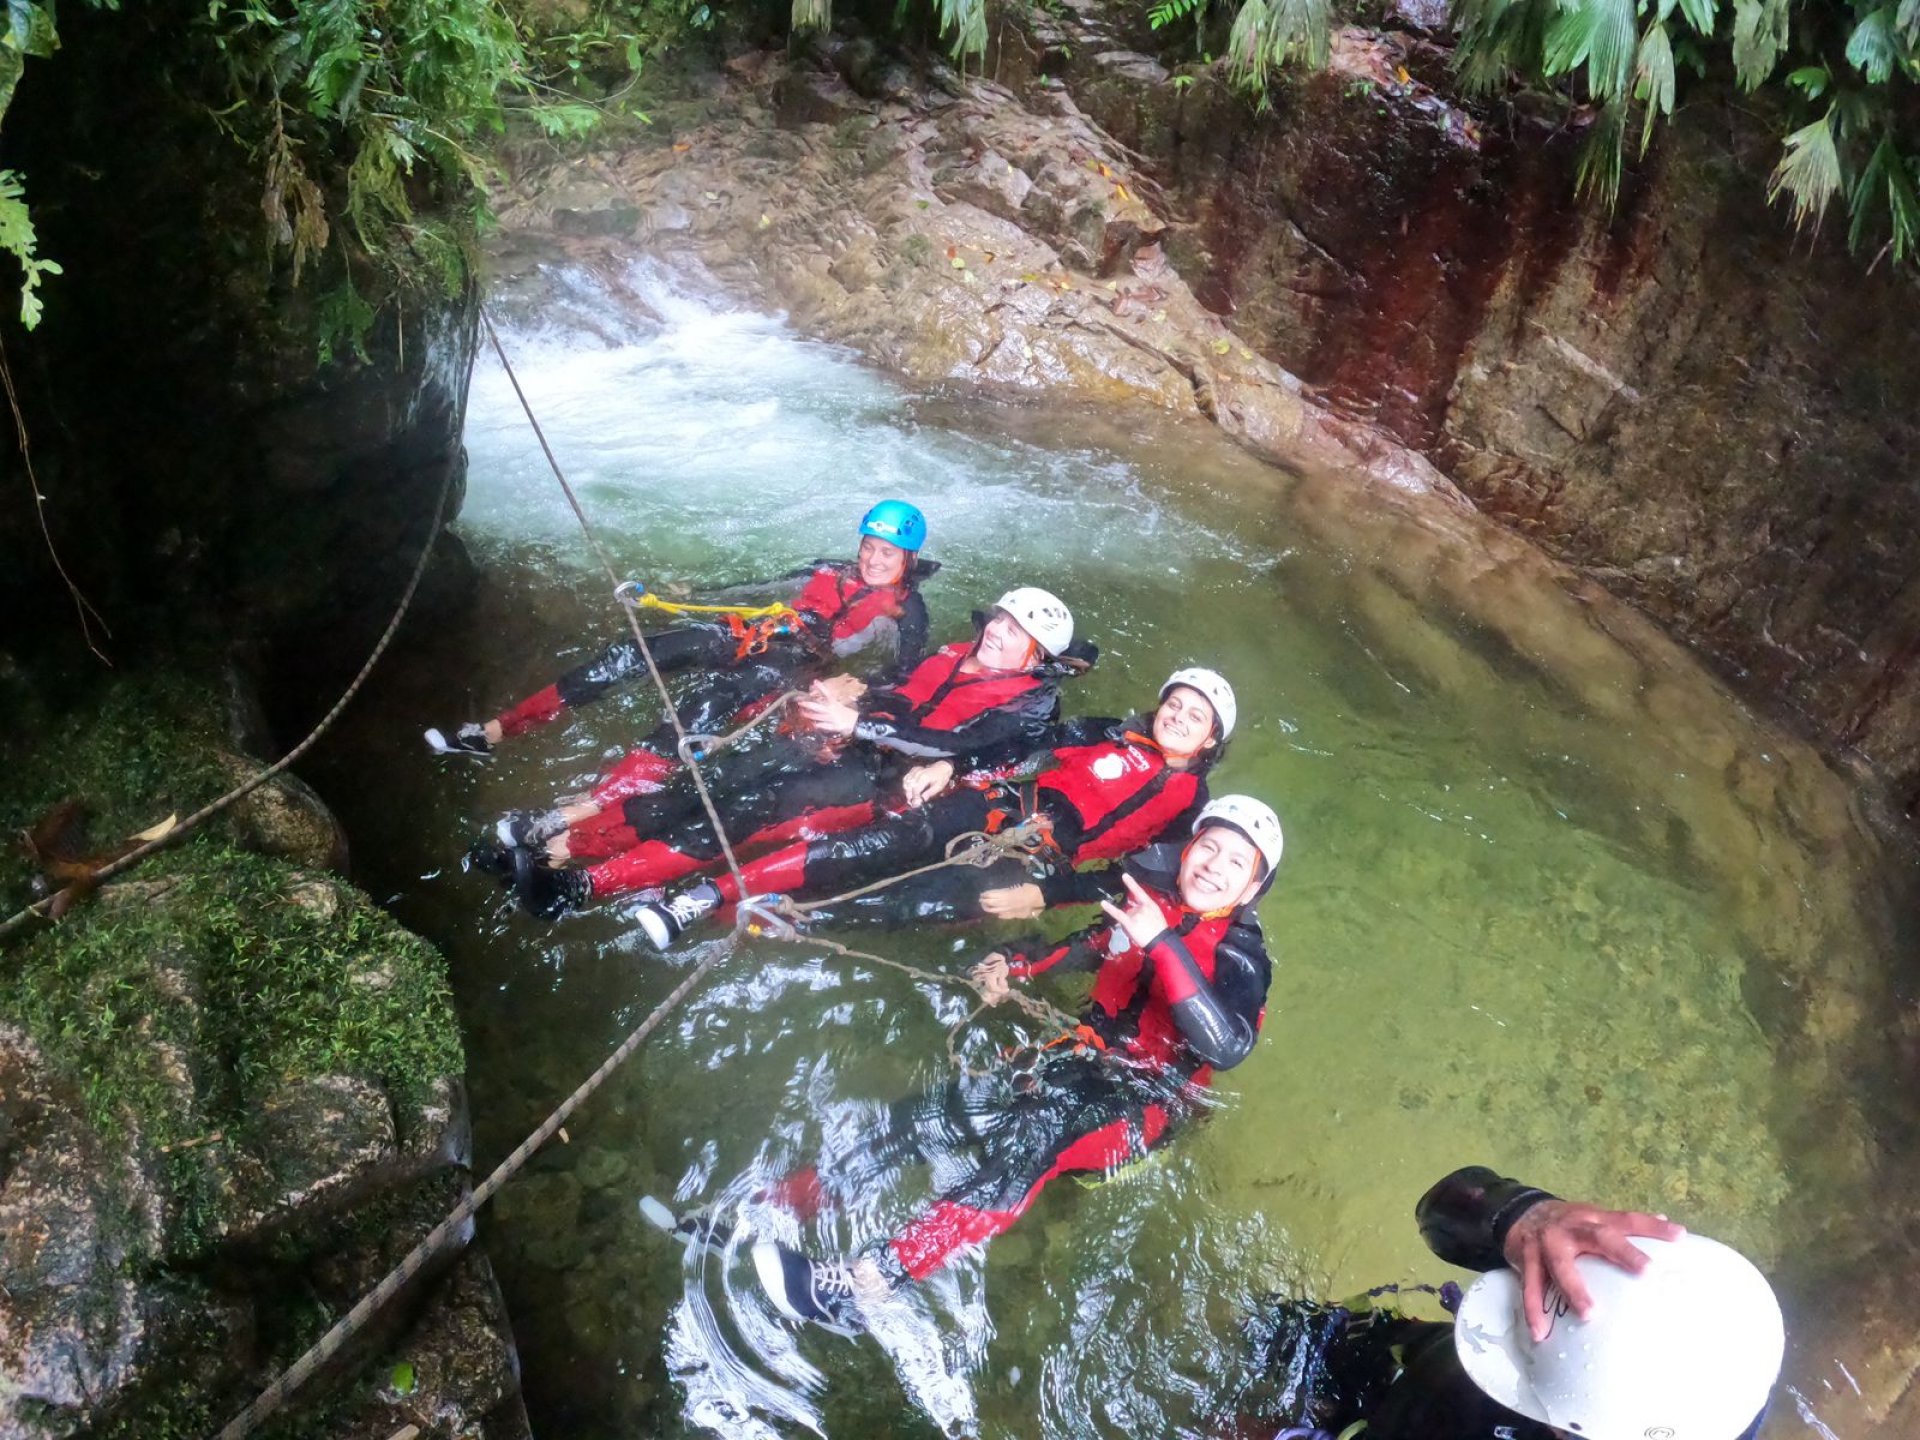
667, 920
818, 1292
469, 739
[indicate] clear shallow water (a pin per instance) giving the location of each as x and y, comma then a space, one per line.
1551, 902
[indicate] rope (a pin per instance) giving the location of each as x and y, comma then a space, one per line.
628, 604
632, 592
330, 1344
705, 747
212, 808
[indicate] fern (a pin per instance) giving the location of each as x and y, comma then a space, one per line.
17, 238
1167, 12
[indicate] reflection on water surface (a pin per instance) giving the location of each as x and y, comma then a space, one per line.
1551, 902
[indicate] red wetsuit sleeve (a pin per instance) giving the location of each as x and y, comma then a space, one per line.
1082, 951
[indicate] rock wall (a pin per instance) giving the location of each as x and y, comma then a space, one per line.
206, 467
1713, 416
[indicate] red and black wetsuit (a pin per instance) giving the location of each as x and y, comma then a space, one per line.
1102, 800
1168, 1018
840, 616
782, 791
1333, 1370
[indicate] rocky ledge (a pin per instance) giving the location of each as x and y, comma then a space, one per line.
230, 1100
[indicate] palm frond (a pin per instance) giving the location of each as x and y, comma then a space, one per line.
1759, 39
1653, 78
1808, 173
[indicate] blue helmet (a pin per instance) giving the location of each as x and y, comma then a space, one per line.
897, 523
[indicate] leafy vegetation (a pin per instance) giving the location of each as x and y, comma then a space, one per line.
1839, 73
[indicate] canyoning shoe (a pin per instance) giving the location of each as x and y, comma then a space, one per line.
545, 893
469, 739
490, 859
527, 829
697, 1229
817, 1292
667, 920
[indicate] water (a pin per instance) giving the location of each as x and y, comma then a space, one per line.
1552, 902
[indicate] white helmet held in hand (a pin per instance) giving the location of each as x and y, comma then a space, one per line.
1685, 1350
1213, 685
1252, 818
1042, 615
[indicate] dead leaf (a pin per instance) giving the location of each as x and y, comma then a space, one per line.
565, 1139
958, 263
1221, 347
1121, 191
160, 831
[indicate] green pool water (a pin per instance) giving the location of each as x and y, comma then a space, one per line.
1552, 901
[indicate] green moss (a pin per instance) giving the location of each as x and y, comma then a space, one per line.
132, 749
176, 1012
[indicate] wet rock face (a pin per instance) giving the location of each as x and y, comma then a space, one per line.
1714, 418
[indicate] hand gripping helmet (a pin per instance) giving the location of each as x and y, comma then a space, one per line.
1252, 818
1213, 685
1685, 1350
1042, 615
897, 523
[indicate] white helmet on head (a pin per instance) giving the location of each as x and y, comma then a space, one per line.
1213, 685
1041, 614
1252, 818
1685, 1350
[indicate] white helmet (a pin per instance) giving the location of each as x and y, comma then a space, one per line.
1042, 615
1685, 1350
1213, 685
1252, 818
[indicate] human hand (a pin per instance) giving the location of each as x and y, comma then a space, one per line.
990, 976
1142, 919
1014, 902
844, 688
827, 716
1547, 1239
923, 782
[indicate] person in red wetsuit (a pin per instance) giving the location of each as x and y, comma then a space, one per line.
1180, 986
1104, 793
997, 692
843, 608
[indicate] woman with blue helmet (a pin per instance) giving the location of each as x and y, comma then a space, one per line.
844, 607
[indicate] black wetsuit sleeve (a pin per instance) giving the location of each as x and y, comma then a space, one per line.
1082, 887
1029, 749
1219, 1018
1022, 721
1465, 1217
911, 641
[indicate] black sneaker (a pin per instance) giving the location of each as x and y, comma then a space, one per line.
527, 830
667, 920
816, 1292
469, 739
548, 894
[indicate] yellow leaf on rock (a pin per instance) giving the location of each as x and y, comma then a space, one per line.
160, 831
1221, 347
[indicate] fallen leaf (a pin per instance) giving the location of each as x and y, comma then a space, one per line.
1246, 354
958, 263
1159, 316
160, 831
1221, 347
1121, 191
765, 220
1106, 172
1400, 74
682, 146
565, 1139
403, 1377
711, 194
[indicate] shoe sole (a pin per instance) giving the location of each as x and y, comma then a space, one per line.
659, 934
772, 1273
